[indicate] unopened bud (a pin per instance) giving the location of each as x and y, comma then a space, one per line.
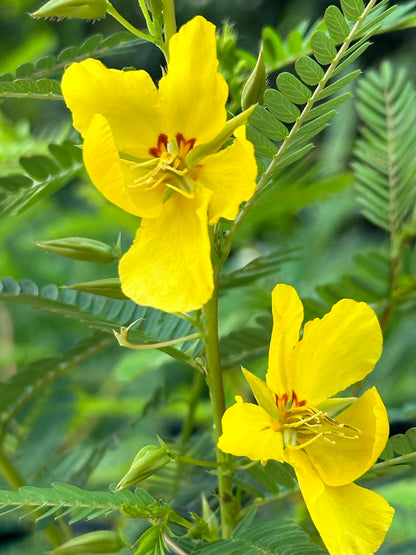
80, 248
253, 90
149, 460
80, 9
100, 541
108, 287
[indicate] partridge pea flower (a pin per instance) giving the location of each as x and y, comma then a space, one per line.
330, 441
158, 153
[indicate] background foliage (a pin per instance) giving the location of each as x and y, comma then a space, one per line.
75, 407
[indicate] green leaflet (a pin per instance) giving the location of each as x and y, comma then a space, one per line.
335, 22
352, 8
323, 48
293, 88
308, 70
385, 165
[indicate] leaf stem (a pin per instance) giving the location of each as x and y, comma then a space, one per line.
216, 389
169, 20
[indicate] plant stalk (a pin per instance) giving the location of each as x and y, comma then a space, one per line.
216, 389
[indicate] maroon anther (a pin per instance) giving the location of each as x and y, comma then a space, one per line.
162, 146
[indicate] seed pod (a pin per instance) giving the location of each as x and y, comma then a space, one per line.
80, 9
149, 460
100, 541
254, 87
81, 248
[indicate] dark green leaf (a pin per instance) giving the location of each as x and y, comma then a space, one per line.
262, 145
335, 22
352, 8
280, 106
293, 88
323, 48
268, 124
308, 70
339, 84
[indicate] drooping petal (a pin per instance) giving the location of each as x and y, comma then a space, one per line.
345, 460
112, 177
128, 100
287, 320
336, 351
247, 432
193, 93
169, 265
231, 175
350, 519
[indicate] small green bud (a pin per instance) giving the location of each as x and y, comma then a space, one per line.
149, 460
108, 287
81, 248
100, 541
80, 9
254, 87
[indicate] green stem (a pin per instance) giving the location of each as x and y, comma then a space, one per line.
197, 388
169, 19
146, 15
216, 389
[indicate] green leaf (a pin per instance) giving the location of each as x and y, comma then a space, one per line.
352, 8
40, 89
268, 124
152, 541
273, 48
337, 27
323, 48
339, 84
103, 314
45, 175
27, 383
280, 106
278, 537
294, 42
76, 500
385, 165
292, 88
308, 70
327, 106
263, 147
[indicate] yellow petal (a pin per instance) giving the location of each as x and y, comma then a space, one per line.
127, 99
114, 178
287, 320
247, 433
350, 519
336, 351
231, 175
345, 460
262, 393
169, 264
193, 93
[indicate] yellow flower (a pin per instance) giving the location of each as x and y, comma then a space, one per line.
156, 153
329, 441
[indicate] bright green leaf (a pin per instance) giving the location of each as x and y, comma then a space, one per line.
323, 48
335, 22
352, 8
308, 70
293, 88
280, 106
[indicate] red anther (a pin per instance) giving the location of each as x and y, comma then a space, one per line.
162, 146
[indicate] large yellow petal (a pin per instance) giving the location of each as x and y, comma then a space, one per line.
114, 178
287, 320
128, 100
350, 519
336, 351
193, 93
345, 460
169, 265
247, 432
231, 175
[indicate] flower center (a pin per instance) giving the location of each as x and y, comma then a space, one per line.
301, 424
167, 167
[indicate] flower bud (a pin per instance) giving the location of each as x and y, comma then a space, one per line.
80, 248
254, 87
108, 287
81, 9
100, 541
149, 460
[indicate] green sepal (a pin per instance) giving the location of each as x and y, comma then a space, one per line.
149, 460
79, 9
107, 287
81, 248
202, 151
99, 541
263, 395
254, 87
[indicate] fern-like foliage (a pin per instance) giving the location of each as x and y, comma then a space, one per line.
385, 165
27, 383
43, 175
280, 537
299, 109
34, 80
66, 499
282, 51
399, 455
104, 314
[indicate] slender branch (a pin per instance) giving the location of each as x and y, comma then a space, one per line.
216, 389
169, 19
